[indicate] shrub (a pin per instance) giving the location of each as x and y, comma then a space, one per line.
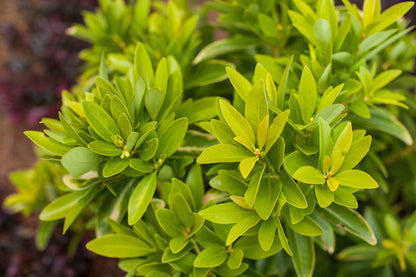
191, 155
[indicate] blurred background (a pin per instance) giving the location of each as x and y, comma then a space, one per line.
37, 61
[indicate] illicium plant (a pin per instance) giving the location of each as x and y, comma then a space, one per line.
191, 156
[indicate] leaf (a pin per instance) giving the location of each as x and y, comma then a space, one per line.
222, 47
292, 192
182, 210
303, 25
240, 84
282, 237
276, 128
324, 195
79, 160
141, 197
256, 105
115, 166
100, 121
375, 40
222, 153
104, 148
281, 91
199, 110
148, 149
211, 257
246, 165
238, 124
169, 223
357, 152
268, 26
341, 147
307, 227
172, 137
119, 246
44, 233
303, 254
141, 166
227, 213
322, 32
60, 207
307, 92
267, 197
252, 249
209, 72
235, 258
267, 233
393, 228
352, 222
383, 121
241, 227
142, 64
47, 143
250, 194
356, 179
385, 78
153, 101
161, 77
389, 16
309, 175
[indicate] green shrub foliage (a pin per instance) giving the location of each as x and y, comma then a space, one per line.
190, 155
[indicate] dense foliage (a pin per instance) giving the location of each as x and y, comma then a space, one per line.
195, 156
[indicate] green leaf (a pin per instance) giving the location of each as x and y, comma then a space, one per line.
383, 121
292, 192
161, 76
303, 254
182, 210
141, 166
282, 237
207, 73
79, 160
104, 87
169, 222
375, 40
169, 256
179, 187
172, 137
227, 213
307, 92
281, 91
256, 105
307, 227
356, 179
357, 152
309, 175
324, 195
148, 150
47, 143
267, 196
222, 47
296, 160
268, 26
238, 124
303, 25
246, 165
141, 197
60, 207
393, 228
199, 110
322, 32
252, 249
390, 16
195, 182
44, 233
211, 257
222, 153
115, 166
275, 129
341, 147
104, 148
154, 101
267, 233
352, 221
119, 246
253, 187
241, 85
241, 227
142, 64
100, 121
235, 258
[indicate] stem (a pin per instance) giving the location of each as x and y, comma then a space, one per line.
196, 247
